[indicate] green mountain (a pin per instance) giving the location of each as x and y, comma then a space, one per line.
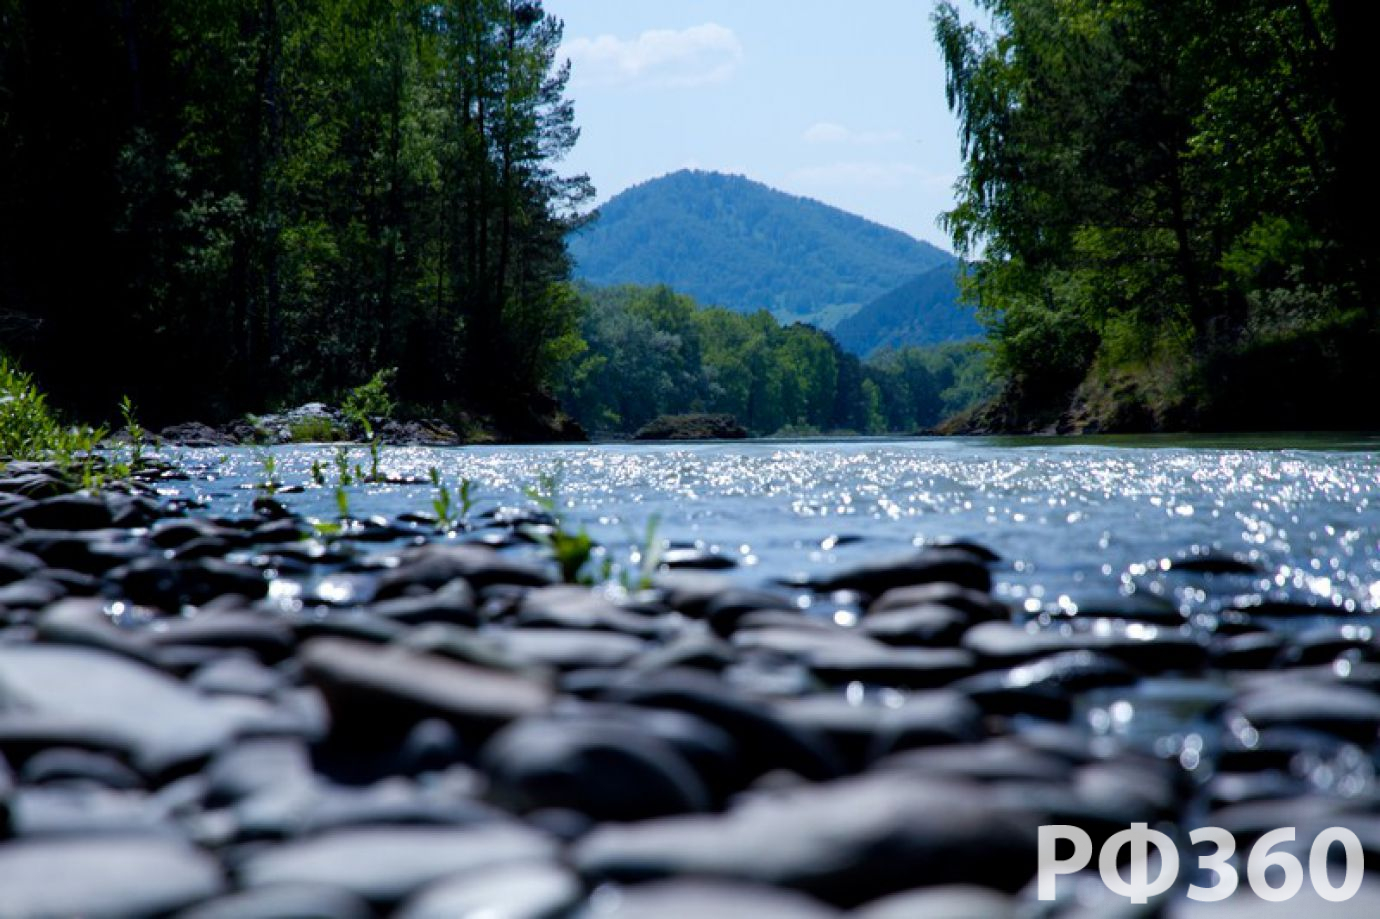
728, 241
924, 311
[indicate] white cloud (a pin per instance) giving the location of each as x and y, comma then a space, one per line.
827, 132
871, 175
697, 56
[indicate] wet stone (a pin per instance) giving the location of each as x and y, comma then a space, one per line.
907, 668
863, 733
604, 769
535, 890
996, 760
1247, 651
702, 898
569, 649
931, 625
979, 605
110, 876
32, 593
238, 675
942, 903
578, 608
453, 603
846, 842
1341, 710
66, 512
84, 811
268, 639
948, 566
766, 742
157, 721
697, 559
284, 901
89, 622
373, 690
730, 607
434, 566
386, 865
58, 764
16, 565
1146, 648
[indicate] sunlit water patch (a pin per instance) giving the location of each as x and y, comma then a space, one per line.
1068, 520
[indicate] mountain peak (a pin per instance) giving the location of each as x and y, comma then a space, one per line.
731, 241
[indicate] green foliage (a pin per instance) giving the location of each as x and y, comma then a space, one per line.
272, 200
647, 558
1146, 182
30, 430
342, 466
653, 352
314, 430
134, 432
924, 311
738, 244
373, 399
268, 466
445, 506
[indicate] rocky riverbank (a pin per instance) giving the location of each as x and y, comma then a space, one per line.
261, 717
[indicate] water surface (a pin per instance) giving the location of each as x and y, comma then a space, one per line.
1068, 517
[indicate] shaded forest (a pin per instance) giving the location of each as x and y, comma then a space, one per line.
1170, 204
654, 352
217, 206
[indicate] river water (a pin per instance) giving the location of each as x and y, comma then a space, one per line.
1069, 518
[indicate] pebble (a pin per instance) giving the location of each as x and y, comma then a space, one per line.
107, 876
845, 842
386, 865
384, 691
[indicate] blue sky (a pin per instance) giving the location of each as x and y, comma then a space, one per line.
838, 101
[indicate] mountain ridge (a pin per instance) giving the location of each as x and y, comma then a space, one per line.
731, 241
927, 310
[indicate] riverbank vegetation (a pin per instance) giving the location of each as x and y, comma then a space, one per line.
1169, 205
223, 207
653, 352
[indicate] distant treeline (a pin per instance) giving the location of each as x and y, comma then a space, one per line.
221, 205
652, 352
1172, 203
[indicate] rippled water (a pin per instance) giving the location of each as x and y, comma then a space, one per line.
1068, 518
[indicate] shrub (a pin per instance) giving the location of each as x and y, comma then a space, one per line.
30, 430
314, 431
373, 399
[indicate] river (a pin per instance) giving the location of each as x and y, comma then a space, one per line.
1067, 517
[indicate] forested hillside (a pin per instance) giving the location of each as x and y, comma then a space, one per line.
925, 311
1173, 205
731, 242
221, 206
655, 352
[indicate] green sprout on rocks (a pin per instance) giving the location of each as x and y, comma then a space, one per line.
466, 495
648, 558
342, 502
318, 473
443, 505
269, 464
134, 431
572, 549
342, 466
375, 453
